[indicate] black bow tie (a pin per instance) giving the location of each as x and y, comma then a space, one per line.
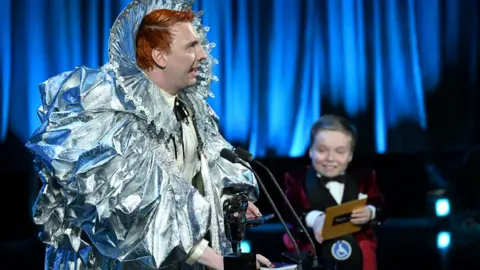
180, 110
339, 179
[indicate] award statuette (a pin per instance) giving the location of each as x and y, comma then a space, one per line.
234, 210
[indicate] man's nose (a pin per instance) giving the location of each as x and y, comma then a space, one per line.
201, 54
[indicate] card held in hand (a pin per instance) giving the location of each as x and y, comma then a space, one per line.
337, 219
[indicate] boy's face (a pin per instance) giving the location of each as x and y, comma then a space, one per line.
331, 152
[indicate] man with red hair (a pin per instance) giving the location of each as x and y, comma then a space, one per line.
168, 49
129, 154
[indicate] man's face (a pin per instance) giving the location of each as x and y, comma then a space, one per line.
185, 56
331, 152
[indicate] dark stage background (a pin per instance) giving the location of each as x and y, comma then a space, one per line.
406, 72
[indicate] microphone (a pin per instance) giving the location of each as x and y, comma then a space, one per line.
232, 157
248, 157
229, 155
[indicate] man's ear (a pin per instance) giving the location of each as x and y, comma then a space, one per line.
160, 58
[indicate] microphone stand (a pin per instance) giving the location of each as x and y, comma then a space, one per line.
232, 157
246, 156
262, 186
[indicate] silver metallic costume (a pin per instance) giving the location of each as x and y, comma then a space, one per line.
113, 196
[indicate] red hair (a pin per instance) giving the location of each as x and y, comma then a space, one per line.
154, 33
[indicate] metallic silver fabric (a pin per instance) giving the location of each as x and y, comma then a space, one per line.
113, 196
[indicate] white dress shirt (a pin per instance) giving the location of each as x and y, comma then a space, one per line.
189, 165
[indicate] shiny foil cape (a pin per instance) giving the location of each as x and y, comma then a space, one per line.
112, 194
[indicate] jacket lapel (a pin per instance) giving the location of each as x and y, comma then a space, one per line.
318, 195
351, 189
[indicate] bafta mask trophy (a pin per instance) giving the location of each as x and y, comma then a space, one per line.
234, 210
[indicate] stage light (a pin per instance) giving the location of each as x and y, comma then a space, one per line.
443, 240
245, 246
442, 207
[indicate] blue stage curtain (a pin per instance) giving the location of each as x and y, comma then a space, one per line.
387, 64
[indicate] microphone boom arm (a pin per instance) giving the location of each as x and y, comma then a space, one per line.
234, 158
264, 189
245, 155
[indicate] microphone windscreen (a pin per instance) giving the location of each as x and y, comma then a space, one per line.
229, 155
244, 154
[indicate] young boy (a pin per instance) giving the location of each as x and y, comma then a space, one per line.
326, 183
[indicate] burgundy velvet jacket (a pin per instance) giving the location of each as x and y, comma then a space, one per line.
297, 185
